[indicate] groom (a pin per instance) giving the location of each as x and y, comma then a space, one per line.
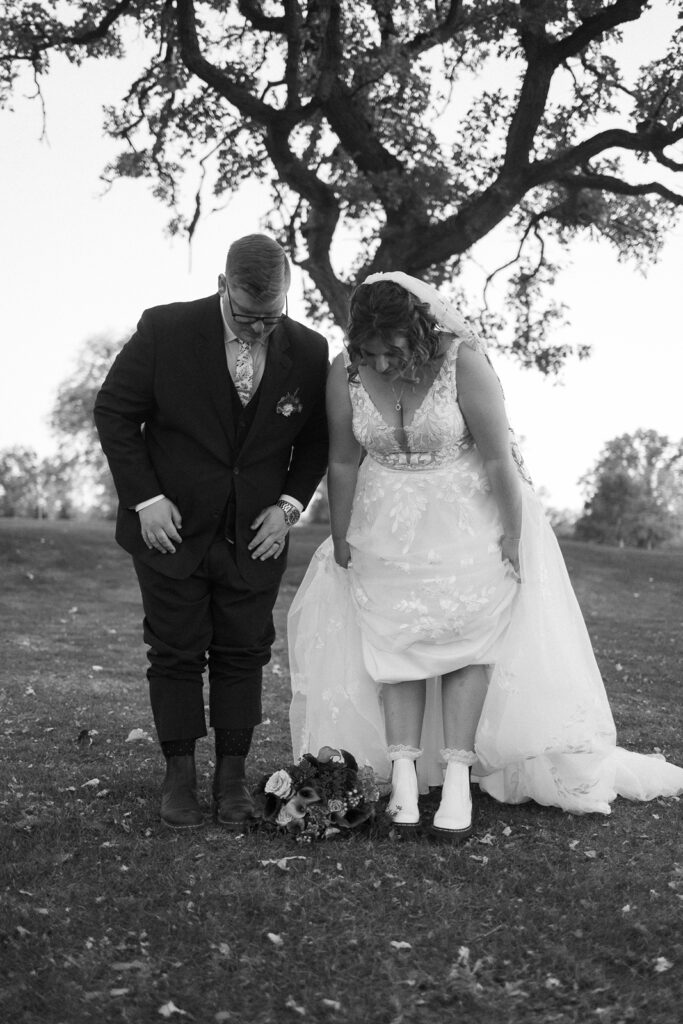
212, 418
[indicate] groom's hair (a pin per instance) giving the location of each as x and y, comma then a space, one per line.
258, 264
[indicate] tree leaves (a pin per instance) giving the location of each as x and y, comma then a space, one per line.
410, 131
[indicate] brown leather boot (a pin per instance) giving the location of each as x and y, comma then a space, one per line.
179, 806
233, 804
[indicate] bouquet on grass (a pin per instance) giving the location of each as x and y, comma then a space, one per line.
319, 796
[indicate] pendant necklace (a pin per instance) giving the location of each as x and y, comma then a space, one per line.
398, 407
399, 397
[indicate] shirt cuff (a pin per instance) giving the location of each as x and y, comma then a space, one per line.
150, 501
292, 501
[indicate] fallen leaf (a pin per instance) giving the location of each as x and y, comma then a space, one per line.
119, 991
137, 735
91, 783
282, 862
591, 854
277, 940
400, 945
661, 964
331, 1004
514, 990
291, 1005
169, 1008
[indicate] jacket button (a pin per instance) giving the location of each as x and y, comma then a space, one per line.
236, 471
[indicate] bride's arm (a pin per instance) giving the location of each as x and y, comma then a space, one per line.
342, 469
481, 400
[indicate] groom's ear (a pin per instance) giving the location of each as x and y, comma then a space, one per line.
221, 284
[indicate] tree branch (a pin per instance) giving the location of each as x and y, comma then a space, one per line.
92, 35
533, 94
596, 25
543, 59
292, 22
650, 141
253, 12
441, 33
608, 183
195, 62
665, 161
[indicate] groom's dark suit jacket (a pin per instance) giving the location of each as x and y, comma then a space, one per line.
168, 414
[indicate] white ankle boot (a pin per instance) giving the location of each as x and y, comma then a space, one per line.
453, 820
402, 804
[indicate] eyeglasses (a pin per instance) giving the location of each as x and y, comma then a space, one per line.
253, 318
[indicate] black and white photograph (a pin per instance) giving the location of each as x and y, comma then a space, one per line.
341, 511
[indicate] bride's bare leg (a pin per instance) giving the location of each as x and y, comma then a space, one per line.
404, 708
404, 705
463, 694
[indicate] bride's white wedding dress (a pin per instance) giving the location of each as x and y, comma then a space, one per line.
427, 592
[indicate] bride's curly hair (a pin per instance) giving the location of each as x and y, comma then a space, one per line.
382, 309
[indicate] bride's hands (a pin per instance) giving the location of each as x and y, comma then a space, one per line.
342, 553
509, 549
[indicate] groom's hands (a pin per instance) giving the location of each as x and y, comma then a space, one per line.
159, 524
269, 541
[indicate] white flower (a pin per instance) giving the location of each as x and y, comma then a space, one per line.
280, 784
284, 817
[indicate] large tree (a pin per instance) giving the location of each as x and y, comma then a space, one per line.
635, 492
409, 129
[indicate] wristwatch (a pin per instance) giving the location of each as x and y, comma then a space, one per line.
291, 512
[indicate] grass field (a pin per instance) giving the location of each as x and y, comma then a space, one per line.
106, 915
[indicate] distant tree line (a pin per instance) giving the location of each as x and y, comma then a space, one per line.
75, 481
634, 492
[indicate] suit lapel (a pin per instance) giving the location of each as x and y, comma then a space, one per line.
210, 347
275, 373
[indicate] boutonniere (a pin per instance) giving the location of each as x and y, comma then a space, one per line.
289, 403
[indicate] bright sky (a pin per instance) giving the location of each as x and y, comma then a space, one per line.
75, 263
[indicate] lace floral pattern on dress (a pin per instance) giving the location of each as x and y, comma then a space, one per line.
437, 435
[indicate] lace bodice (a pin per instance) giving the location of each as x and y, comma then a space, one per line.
437, 433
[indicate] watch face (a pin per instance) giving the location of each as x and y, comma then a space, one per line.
290, 511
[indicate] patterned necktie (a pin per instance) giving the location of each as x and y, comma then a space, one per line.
244, 371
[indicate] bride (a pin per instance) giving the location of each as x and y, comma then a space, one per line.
437, 626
